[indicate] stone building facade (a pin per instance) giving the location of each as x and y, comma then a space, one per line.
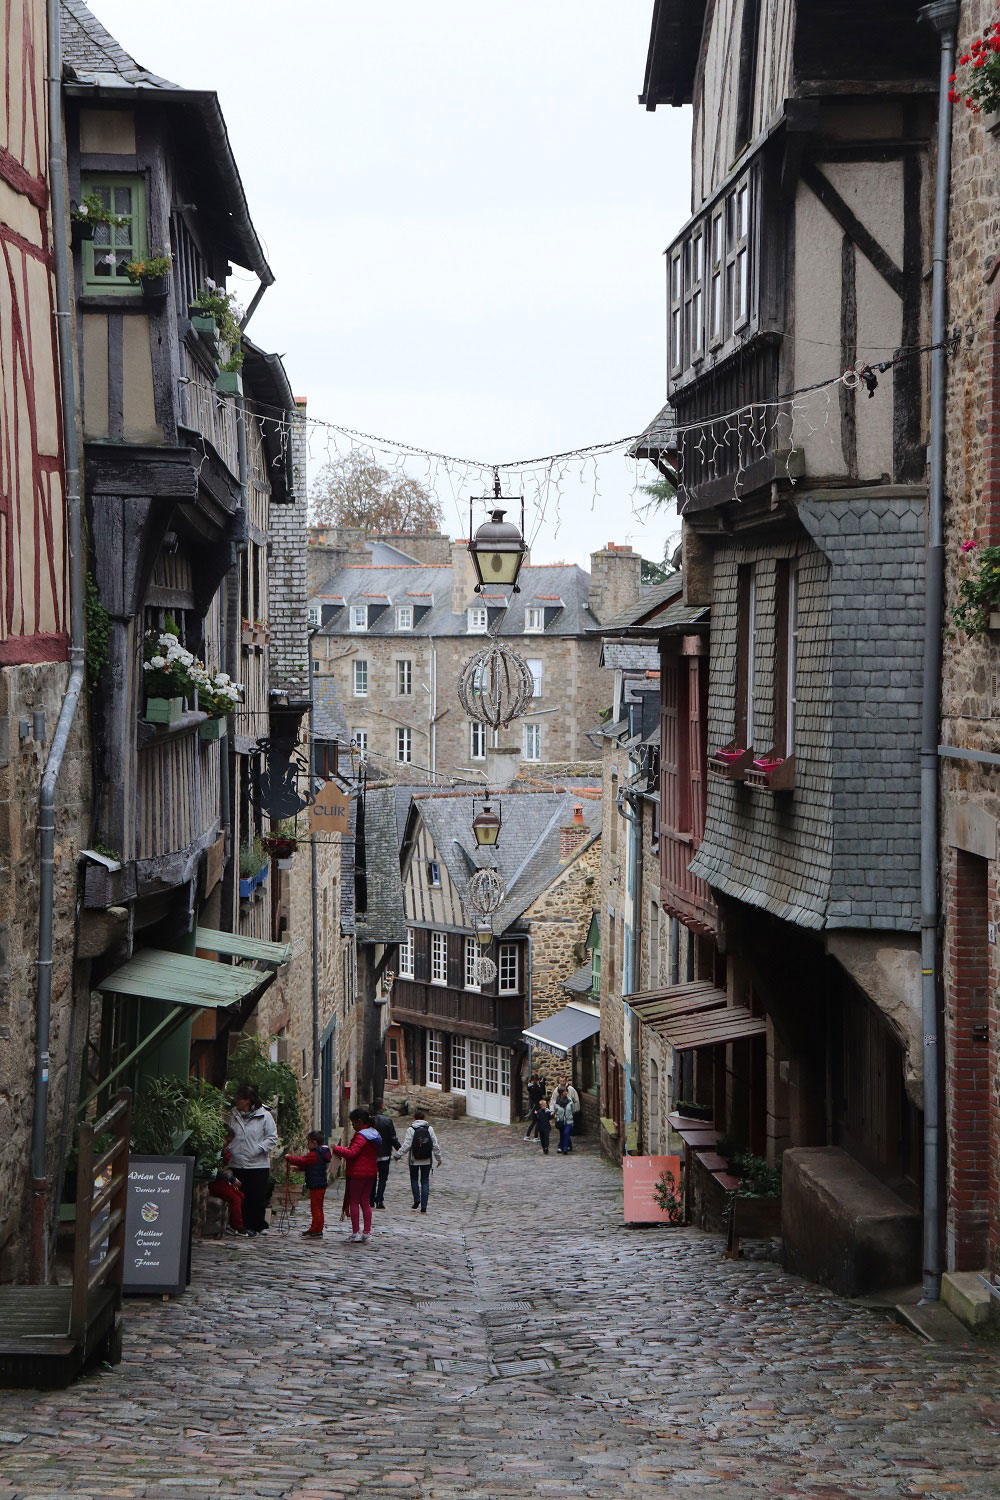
970, 788
394, 635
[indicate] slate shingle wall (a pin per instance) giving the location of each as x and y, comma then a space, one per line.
843, 849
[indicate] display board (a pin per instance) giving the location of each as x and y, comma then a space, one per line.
640, 1175
158, 1224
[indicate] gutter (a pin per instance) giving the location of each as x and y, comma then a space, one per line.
39, 1248
943, 16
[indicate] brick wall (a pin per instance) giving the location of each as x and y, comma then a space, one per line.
286, 569
967, 1098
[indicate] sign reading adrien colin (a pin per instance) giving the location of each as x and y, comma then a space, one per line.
158, 1224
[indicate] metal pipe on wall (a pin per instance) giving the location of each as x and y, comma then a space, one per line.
38, 1251
943, 16
314, 867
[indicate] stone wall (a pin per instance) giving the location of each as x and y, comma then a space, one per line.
559, 922
435, 1103
286, 571
25, 691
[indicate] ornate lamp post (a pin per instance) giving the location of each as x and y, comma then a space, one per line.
486, 827
498, 547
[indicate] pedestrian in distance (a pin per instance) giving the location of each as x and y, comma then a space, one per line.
389, 1143
536, 1091
361, 1170
254, 1137
422, 1149
315, 1164
563, 1113
542, 1120
574, 1099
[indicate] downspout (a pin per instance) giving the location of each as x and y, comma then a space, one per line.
434, 708
38, 1252
315, 899
623, 803
232, 654
943, 16
529, 996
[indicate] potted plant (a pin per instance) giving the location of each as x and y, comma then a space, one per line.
979, 591
166, 674
215, 316
253, 868
229, 383
977, 72
281, 844
754, 1208
730, 761
668, 1198
691, 1111
90, 212
151, 274
218, 696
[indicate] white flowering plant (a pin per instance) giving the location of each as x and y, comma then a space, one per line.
218, 695
167, 665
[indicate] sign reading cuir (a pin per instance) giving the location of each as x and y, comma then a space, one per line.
331, 811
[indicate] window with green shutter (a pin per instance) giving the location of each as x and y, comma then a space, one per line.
108, 253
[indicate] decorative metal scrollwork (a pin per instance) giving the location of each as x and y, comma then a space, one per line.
486, 970
486, 892
496, 685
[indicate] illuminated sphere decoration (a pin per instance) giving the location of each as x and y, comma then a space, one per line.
496, 685
486, 892
486, 970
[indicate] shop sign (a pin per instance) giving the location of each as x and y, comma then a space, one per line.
158, 1225
640, 1174
331, 811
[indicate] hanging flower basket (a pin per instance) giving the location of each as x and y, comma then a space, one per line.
280, 845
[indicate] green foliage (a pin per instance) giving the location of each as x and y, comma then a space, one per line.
173, 1116
979, 592
978, 72
667, 1195
661, 492
91, 210
759, 1180
157, 263
97, 624
249, 1063
204, 1120
651, 572
224, 308
253, 858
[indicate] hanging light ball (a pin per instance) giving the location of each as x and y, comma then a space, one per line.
486, 892
496, 685
486, 970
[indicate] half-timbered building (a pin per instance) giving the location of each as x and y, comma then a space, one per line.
803, 498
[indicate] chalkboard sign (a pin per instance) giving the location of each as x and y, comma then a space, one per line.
158, 1224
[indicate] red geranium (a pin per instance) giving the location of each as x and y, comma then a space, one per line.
979, 90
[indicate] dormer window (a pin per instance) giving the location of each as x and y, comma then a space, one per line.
359, 617
477, 617
315, 616
404, 617
433, 873
534, 619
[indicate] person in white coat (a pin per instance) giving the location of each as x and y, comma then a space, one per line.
574, 1099
253, 1136
420, 1146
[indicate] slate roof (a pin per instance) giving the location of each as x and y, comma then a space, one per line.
630, 656
659, 436
651, 598
329, 720
383, 919
403, 582
581, 981
96, 67
527, 854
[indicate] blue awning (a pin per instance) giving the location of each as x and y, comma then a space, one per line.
565, 1029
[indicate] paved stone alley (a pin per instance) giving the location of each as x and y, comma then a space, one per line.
518, 1341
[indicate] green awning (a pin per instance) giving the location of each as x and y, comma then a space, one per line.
179, 979
234, 945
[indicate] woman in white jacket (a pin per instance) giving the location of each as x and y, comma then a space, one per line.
253, 1136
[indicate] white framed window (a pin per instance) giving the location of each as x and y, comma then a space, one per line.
477, 740
359, 739
315, 614
360, 678
404, 617
534, 619
716, 277
435, 1059
359, 617
740, 254
439, 958
535, 668
473, 953
404, 678
392, 1058
490, 1071
404, 746
532, 742
696, 299
507, 966
433, 873
676, 311
406, 956
475, 1066
477, 619
458, 1069
504, 1072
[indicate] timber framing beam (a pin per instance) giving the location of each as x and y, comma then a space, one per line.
841, 211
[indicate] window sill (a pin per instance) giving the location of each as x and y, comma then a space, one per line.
771, 774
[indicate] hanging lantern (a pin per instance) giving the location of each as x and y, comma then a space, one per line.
486, 827
484, 931
486, 892
486, 970
496, 685
498, 547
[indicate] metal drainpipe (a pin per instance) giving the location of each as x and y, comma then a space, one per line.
38, 1252
530, 998
315, 902
434, 709
943, 16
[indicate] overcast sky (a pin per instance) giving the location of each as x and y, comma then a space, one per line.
465, 208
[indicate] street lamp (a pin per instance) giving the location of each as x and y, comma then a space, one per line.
498, 547
486, 827
484, 931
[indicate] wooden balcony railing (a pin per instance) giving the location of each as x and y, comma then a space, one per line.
178, 794
492, 1017
205, 411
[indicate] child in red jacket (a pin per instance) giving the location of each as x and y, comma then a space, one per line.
314, 1164
361, 1161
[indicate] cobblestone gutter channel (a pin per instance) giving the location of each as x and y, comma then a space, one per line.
517, 1341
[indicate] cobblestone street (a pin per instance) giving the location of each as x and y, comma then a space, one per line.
518, 1341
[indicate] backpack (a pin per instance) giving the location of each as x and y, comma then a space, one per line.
421, 1147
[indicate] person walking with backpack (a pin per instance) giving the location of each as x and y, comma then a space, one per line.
361, 1170
421, 1146
314, 1164
564, 1118
390, 1143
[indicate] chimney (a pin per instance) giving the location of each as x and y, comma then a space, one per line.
614, 582
572, 835
502, 764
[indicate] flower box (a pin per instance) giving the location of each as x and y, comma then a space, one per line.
163, 710
212, 729
286, 862
730, 762
229, 383
775, 773
154, 288
81, 229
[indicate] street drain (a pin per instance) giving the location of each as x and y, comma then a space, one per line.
487, 1155
505, 1307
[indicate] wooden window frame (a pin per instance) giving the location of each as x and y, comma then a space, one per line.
477, 731
408, 956
785, 654
471, 954
534, 619
359, 739
508, 955
716, 274
694, 294
459, 1066
404, 677
404, 617
439, 950
138, 246
746, 624
738, 256
404, 741
536, 736
474, 614
361, 611
434, 1060
392, 1059
675, 305
536, 677
359, 674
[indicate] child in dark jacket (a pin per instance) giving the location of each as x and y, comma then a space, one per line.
315, 1163
541, 1117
